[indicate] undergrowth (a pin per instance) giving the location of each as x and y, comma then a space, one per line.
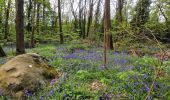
126, 77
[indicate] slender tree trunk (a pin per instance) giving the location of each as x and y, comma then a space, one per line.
84, 22
6, 20
96, 23
97, 14
90, 16
29, 16
107, 35
32, 44
43, 19
60, 22
107, 25
20, 49
38, 17
119, 17
80, 17
74, 15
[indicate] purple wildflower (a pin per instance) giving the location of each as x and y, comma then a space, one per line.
51, 92
134, 90
53, 81
102, 68
145, 76
107, 97
147, 88
28, 93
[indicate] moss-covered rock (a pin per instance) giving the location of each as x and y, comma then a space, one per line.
27, 72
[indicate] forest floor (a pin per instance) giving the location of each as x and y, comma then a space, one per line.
129, 75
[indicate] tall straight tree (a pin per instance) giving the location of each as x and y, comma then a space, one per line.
33, 26
91, 4
60, 23
20, 49
38, 17
119, 16
7, 20
84, 21
108, 43
107, 25
29, 16
97, 14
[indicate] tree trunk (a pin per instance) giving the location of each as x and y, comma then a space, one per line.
43, 19
107, 25
80, 17
119, 17
84, 22
6, 20
32, 44
60, 22
97, 15
74, 15
2, 53
29, 16
107, 35
20, 49
90, 16
38, 17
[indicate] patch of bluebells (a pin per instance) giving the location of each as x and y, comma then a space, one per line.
28, 93
86, 59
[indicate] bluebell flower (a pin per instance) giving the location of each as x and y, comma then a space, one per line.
134, 90
115, 53
136, 83
147, 88
27, 93
53, 81
102, 68
107, 97
71, 56
113, 81
149, 97
51, 92
65, 95
41, 97
145, 76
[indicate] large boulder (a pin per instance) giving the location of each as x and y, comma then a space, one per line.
27, 72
